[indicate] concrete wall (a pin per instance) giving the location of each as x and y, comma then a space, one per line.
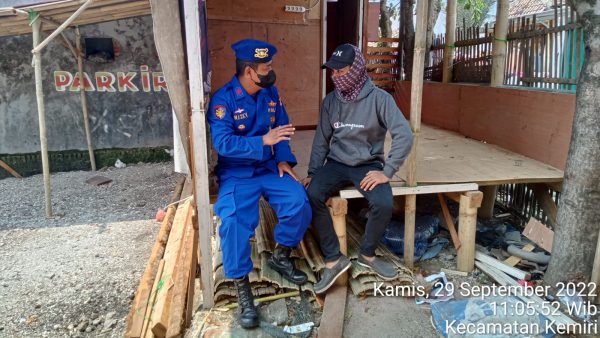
533, 123
298, 40
122, 118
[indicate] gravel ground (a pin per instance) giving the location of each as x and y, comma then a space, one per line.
75, 275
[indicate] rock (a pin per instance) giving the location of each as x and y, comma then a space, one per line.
70, 327
276, 312
109, 321
57, 326
89, 329
38, 305
82, 326
96, 321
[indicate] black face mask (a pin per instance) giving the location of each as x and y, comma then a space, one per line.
266, 81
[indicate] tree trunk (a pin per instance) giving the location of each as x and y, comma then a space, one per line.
435, 6
407, 35
385, 24
576, 231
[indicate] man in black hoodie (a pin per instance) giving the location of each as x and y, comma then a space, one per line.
348, 148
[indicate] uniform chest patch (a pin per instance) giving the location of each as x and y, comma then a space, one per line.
241, 127
272, 119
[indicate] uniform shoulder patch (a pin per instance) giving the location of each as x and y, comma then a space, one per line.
220, 111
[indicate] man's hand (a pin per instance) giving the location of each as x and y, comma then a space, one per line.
278, 134
306, 182
284, 167
373, 179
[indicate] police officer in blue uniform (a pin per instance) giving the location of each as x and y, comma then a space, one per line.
251, 131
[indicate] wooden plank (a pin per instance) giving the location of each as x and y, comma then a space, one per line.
517, 273
539, 234
154, 291
449, 221
332, 320
136, 316
192, 265
419, 190
382, 65
200, 144
382, 39
158, 323
489, 200
384, 75
9, 169
381, 57
338, 208
382, 49
174, 318
514, 260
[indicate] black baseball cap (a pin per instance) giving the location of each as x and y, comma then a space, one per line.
342, 56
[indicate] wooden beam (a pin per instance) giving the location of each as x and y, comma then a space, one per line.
62, 27
489, 200
175, 317
39, 93
467, 228
148, 312
161, 308
142, 301
517, 273
338, 208
332, 320
417, 190
200, 163
449, 221
542, 195
9, 169
84, 105
499, 44
450, 40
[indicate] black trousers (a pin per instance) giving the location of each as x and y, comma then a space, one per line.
327, 182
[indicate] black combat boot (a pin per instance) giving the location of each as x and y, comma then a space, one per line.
280, 261
248, 313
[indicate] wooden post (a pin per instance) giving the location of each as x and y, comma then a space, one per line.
416, 96
199, 152
489, 199
84, 105
450, 40
500, 42
39, 93
467, 226
338, 208
542, 195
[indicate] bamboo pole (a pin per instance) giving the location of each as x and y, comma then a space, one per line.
39, 93
199, 165
416, 97
450, 40
499, 45
62, 26
84, 105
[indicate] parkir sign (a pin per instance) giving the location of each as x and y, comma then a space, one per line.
111, 82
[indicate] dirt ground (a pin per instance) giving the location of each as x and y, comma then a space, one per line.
75, 275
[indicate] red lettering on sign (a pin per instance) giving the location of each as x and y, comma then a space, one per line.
62, 79
124, 82
105, 82
159, 82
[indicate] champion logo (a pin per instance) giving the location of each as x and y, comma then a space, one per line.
338, 125
338, 53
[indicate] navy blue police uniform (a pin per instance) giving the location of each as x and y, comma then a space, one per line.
247, 169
